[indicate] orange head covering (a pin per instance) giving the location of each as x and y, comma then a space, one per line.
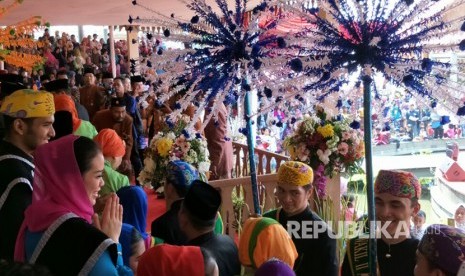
263, 239
64, 102
111, 144
168, 260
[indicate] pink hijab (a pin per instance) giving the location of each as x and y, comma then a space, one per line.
58, 190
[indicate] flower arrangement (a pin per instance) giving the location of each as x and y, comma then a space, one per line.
328, 145
175, 143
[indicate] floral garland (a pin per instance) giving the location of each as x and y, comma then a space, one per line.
327, 145
171, 144
19, 47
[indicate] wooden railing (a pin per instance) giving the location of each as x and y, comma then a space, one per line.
264, 160
241, 188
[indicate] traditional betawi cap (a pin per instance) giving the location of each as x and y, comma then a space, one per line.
118, 102
63, 124
57, 85
111, 144
295, 173
107, 75
263, 239
444, 246
10, 83
137, 79
89, 71
398, 183
180, 173
202, 201
274, 267
27, 103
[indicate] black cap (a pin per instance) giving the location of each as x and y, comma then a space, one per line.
202, 201
118, 102
57, 85
45, 77
107, 75
63, 124
89, 70
10, 83
136, 79
10, 78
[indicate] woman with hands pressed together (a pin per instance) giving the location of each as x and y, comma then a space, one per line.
57, 231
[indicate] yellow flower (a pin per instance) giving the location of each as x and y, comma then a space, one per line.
164, 146
326, 131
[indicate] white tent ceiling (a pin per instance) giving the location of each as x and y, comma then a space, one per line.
96, 12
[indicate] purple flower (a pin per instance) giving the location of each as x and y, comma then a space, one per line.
319, 181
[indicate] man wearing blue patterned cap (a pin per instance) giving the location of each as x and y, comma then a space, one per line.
441, 251
179, 176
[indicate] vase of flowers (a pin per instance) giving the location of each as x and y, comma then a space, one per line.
174, 143
329, 145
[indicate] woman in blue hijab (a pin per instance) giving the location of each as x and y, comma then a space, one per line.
134, 201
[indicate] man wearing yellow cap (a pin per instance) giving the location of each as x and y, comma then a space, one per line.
317, 251
28, 117
396, 198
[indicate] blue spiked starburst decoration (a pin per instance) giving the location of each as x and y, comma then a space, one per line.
391, 38
230, 53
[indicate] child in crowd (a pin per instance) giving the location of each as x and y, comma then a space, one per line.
419, 226
459, 217
113, 149
133, 246
350, 214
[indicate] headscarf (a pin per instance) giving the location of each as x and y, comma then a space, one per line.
111, 144
64, 102
263, 239
398, 183
56, 177
444, 246
125, 239
27, 103
167, 260
134, 202
295, 173
274, 267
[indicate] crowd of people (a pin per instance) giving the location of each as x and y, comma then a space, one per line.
400, 118
70, 203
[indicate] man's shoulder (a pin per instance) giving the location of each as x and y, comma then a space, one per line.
128, 118
102, 113
271, 214
165, 221
14, 163
222, 240
129, 98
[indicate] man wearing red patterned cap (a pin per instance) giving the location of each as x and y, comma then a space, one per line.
396, 198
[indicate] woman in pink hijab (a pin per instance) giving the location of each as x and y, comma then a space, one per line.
57, 230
